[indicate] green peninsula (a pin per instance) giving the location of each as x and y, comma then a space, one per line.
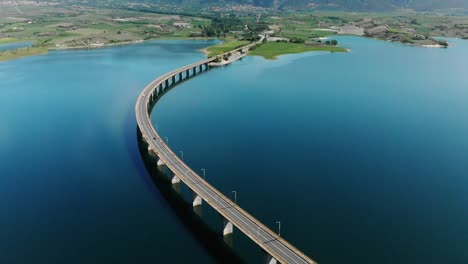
271, 50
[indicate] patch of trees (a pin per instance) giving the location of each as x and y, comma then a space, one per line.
251, 36
443, 43
254, 47
258, 27
221, 25
296, 40
332, 42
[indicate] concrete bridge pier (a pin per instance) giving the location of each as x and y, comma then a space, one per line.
270, 259
197, 200
159, 89
228, 228
194, 70
173, 80
160, 163
200, 68
187, 74
151, 151
207, 66
180, 76
175, 179
166, 82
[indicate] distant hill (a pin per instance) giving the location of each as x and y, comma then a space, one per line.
350, 5
356, 5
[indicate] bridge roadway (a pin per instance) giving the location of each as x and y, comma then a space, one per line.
277, 248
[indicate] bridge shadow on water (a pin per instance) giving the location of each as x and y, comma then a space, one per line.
218, 247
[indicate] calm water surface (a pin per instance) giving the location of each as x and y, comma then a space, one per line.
14, 45
362, 156
72, 183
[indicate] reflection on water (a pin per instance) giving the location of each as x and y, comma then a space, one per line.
218, 246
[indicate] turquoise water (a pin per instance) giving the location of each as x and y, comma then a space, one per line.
14, 45
361, 156
73, 186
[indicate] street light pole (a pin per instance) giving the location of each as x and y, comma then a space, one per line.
279, 228
235, 196
204, 174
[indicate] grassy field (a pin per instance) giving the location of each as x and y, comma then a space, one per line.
65, 27
20, 53
272, 50
8, 40
74, 26
225, 47
404, 24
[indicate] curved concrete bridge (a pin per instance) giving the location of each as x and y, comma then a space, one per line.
278, 249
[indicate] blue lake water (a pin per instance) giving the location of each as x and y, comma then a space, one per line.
73, 186
14, 45
362, 156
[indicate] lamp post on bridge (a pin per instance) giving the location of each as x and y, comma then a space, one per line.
204, 173
235, 196
279, 228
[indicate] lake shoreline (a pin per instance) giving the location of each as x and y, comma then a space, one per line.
34, 51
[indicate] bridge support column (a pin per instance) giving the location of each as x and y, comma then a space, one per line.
207, 66
197, 200
175, 179
228, 228
187, 74
194, 70
166, 83
270, 259
160, 88
173, 80
150, 150
160, 163
200, 68
180, 77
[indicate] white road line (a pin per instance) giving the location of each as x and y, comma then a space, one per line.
19, 11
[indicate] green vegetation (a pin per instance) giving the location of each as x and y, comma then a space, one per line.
188, 6
225, 47
271, 50
77, 26
396, 31
20, 53
404, 26
95, 25
8, 40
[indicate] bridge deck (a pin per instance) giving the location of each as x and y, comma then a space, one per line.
277, 247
